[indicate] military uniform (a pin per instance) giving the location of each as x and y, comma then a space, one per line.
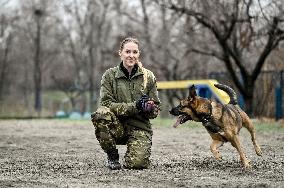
117, 121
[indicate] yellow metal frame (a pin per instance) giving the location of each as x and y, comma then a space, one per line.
183, 84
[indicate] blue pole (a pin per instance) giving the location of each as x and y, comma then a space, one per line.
278, 98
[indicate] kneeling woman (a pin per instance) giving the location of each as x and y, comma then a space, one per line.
128, 99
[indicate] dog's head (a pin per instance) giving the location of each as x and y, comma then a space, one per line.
191, 108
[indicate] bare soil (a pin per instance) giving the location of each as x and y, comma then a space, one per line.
59, 153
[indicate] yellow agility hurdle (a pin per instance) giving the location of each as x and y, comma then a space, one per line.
220, 95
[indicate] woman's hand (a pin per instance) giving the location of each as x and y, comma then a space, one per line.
145, 104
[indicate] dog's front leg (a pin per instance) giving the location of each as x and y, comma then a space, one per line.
213, 147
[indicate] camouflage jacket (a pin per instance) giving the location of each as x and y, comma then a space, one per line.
120, 94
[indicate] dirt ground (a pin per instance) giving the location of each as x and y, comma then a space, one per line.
59, 153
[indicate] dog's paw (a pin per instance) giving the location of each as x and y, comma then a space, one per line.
258, 151
247, 165
217, 156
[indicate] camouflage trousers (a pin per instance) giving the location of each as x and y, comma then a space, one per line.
111, 132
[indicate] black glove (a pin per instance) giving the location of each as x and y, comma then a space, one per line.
141, 103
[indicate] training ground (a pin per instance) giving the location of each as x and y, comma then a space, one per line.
65, 153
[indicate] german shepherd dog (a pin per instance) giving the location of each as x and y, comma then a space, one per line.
222, 122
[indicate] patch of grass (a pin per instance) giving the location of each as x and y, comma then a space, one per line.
20, 108
269, 127
54, 95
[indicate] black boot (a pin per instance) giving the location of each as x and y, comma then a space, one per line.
113, 160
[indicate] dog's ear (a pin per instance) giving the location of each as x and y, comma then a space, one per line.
192, 92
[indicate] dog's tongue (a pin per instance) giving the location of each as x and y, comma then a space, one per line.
177, 122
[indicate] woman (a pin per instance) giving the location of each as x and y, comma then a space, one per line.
128, 99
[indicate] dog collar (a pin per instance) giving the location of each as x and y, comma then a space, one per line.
207, 117
204, 118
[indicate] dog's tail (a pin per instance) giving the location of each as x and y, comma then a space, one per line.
232, 94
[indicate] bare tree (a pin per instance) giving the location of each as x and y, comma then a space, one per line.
35, 30
76, 41
244, 41
5, 49
38, 13
87, 47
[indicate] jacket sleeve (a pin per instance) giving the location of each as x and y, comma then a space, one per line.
153, 94
107, 97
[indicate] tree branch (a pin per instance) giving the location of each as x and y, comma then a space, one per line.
214, 54
270, 45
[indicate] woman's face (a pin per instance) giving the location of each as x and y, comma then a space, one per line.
129, 55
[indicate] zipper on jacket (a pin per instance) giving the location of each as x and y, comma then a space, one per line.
131, 89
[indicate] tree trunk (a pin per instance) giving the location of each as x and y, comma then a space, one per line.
248, 105
73, 103
90, 75
91, 95
37, 69
4, 67
248, 96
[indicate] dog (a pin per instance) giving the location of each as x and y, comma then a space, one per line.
222, 122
